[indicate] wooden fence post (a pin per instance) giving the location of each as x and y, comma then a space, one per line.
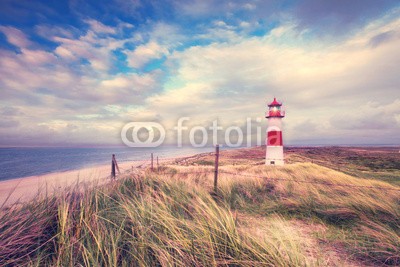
216, 167
158, 167
151, 161
113, 166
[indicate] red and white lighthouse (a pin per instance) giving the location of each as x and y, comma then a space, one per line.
274, 153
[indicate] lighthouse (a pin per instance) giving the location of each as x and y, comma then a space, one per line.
274, 153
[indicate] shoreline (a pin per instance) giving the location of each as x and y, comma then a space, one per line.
26, 162
23, 189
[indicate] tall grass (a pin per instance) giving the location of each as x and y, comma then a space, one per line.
371, 216
173, 218
146, 221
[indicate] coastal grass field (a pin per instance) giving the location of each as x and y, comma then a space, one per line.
329, 206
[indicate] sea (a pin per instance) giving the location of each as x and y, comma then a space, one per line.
17, 162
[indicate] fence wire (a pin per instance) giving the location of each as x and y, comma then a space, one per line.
147, 163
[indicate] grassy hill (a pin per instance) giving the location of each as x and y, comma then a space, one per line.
302, 214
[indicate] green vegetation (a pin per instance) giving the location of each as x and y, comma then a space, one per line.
204, 162
174, 218
382, 163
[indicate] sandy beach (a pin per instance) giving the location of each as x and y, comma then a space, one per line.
26, 188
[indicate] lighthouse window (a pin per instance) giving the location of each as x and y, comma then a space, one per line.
272, 162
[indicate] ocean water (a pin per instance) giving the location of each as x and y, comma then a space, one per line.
22, 162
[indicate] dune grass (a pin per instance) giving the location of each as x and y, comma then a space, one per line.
174, 218
370, 217
142, 221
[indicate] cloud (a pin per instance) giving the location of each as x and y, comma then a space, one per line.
211, 8
143, 54
166, 34
99, 27
47, 31
153, 42
382, 38
338, 16
95, 46
8, 123
15, 37
64, 53
198, 7
370, 116
129, 88
249, 6
9, 111
36, 57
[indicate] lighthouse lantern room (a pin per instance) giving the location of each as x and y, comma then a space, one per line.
274, 153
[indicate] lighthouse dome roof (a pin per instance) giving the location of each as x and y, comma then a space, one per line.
275, 103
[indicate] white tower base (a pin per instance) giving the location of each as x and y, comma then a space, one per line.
274, 156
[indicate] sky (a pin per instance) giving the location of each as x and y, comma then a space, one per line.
73, 73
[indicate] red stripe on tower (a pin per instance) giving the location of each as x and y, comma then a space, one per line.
274, 138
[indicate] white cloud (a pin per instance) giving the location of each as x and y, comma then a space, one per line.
143, 54
220, 23
118, 82
165, 34
64, 53
130, 83
37, 57
249, 6
16, 37
96, 49
99, 27
245, 24
47, 31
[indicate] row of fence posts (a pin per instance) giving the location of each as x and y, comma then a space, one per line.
114, 166
152, 165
